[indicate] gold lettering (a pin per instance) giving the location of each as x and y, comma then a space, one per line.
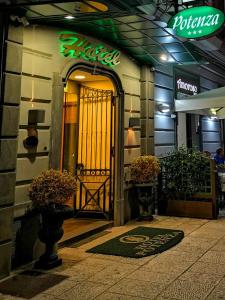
78, 46
100, 53
116, 58
141, 253
108, 57
90, 53
155, 243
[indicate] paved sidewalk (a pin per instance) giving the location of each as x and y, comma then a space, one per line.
193, 269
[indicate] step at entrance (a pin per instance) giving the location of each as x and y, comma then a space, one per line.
76, 230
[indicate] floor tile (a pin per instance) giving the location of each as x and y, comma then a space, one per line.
213, 257
205, 233
9, 297
208, 278
113, 296
73, 254
174, 256
163, 298
167, 264
219, 295
81, 272
208, 268
151, 276
220, 246
84, 291
61, 288
128, 260
190, 256
45, 297
113, 273
137, 288
218, 292
166, 269
186, 290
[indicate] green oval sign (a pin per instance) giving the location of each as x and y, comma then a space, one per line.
197, 22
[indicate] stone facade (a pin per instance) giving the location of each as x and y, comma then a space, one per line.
33, 79
9, 108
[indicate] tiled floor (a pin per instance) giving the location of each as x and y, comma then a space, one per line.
193, 269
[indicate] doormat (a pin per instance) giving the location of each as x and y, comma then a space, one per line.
140, 242
29, 283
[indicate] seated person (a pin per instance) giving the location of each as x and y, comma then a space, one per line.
219, 157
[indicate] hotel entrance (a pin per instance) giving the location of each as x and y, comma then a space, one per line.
88, 143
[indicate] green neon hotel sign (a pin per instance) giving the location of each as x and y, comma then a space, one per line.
77, 46
197, 22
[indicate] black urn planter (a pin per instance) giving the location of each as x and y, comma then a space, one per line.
145, 194
50, 233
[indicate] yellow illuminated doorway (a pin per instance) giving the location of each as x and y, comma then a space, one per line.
88, 143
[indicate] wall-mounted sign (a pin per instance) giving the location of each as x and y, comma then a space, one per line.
185, 84
197, 22
78, 46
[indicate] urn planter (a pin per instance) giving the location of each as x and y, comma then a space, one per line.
50, 233
145, 194
49, 192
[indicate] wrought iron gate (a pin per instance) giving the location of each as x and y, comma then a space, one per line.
94, 169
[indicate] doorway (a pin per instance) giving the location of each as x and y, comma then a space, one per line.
88, 143
193, 131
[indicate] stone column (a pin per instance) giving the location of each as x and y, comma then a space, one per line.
57, 114
11, 64
147, 111
119, 162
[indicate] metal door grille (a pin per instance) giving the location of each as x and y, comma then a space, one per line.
94, 168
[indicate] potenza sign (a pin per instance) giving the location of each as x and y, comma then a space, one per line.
197, 22
78, 46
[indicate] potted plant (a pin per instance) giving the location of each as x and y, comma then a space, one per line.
143, 172
187, 186
48, 193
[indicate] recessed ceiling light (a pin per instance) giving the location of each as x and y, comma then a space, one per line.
69, 17
164, 57
79, 77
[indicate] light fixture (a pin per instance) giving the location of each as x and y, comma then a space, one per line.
35, 116
69, 17
213, 111
164, 107
163, 57
173, 116
213, 114
134, 122
79, 76
187, 1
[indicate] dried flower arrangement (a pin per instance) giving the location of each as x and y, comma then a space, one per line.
52, 187
144, 169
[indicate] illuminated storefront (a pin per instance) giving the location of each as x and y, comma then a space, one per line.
94, 78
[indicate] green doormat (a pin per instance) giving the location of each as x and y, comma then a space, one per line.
140, 242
